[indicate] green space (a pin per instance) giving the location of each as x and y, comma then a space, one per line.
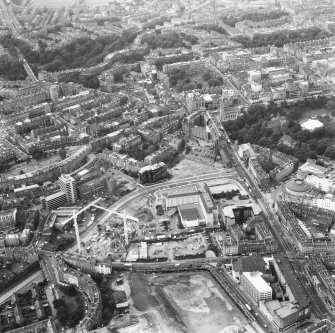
255, 17
109, 297
251, 127
168, 40
211, 27
280, 38
82, 52
182, 82
70, 306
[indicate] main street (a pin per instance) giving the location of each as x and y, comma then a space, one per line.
284, 245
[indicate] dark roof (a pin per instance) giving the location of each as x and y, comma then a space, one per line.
291, 279
189, 214
250, 264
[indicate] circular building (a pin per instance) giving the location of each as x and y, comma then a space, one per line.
298, 187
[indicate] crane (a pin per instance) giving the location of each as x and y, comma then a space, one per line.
75, 214
124, 216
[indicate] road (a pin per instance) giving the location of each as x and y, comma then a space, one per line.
284, 245
9, 18
29, 71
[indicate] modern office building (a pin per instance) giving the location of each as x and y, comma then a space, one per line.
255, 286
68, 186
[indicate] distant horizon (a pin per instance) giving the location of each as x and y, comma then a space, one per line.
66, 3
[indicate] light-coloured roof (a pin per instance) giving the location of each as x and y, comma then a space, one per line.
255, 278
311, 124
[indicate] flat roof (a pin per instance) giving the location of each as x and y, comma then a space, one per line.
189, 214
286, 310
311, 124
83, 172
311, 167
297, 290
255, 278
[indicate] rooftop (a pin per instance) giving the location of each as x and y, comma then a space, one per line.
257, 281
294, 284
298, 185
311, 124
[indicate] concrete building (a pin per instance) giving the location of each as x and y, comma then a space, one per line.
255, 286
7, 218
68, 186
195, 205
284, 314
54, 200
239, 214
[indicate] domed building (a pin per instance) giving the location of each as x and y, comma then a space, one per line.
298, 187
297, 190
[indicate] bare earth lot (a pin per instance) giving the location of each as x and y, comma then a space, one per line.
187, 168
200, 302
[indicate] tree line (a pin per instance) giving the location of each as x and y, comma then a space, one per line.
283, 37
255, 17
82, 52
168, 40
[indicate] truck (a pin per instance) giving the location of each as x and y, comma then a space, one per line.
248, 306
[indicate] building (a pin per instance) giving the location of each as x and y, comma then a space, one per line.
195, 204
239, 214
163, 154
191, 215
54, 200
248, 264
255, 286
98, 185
312, 125
153, 173
258, 172
7, 218
12, 240
87, 264
325, 182
68, 186
284, 314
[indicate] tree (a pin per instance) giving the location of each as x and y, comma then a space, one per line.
330, 152
123, 100
58, 303
62, 153
62, 315
206, 76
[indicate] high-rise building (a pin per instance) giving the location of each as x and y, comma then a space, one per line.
68, 186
